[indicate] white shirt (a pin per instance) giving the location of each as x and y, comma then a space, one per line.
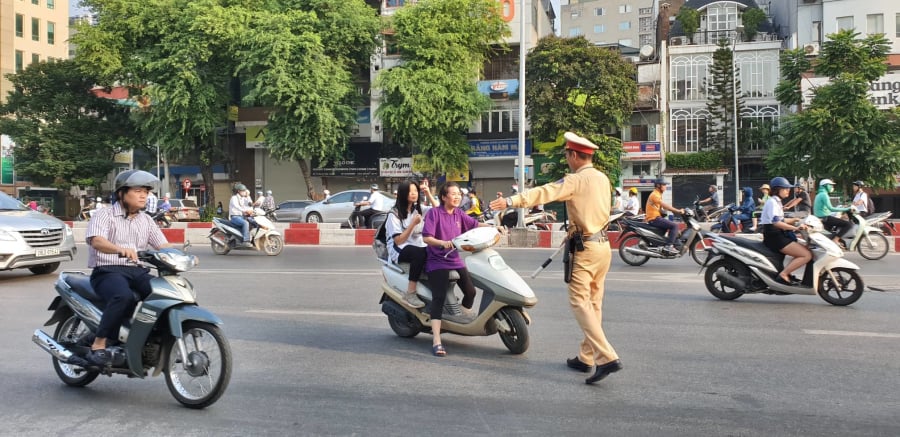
617, 203
772, 211
632, 205
376, 201
861, 201
151, 204
238, 205
394, 226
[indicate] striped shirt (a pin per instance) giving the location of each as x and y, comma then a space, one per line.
138, 232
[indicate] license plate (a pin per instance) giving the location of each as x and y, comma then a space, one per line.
46, 252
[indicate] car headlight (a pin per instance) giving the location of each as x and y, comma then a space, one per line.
69, 232
7, 236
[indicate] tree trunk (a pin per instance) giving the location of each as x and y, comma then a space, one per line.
206, 171
304, 169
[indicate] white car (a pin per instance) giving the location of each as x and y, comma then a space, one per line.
32, 240
337, 208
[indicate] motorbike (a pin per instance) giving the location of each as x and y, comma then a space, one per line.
224, 237
640, 241
163, 219
168, 332
736, 266
728, 222
533, 219
504, 299
864, 238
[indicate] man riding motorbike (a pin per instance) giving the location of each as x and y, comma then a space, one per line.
653, 211
238, 210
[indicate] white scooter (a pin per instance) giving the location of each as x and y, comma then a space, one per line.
741, 265
868, 240
505, 296
224, 237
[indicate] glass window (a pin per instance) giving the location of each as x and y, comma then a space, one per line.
599, 12
845, 23
498, 121
625, 25
688, 76
51, 32
341, 197
599, 28
35, 2
35, 29
645, 24
874, 24
50, 4
688, 130
575, 31
624, 9
575, 13
35, 58
20, 25
20, 60
721, 21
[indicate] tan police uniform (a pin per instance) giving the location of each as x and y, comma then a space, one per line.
587, 195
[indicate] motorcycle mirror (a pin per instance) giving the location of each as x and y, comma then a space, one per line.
187, 243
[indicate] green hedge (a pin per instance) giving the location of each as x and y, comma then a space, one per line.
699, 160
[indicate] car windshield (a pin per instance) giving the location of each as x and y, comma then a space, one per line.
8, 203
188, 203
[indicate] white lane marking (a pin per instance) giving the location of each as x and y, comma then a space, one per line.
851, 333
314, 313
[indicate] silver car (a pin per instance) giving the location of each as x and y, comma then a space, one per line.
32, 240
292, 210
337, 208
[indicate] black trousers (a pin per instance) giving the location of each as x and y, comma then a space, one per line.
842, 226
360, 219
117, 286
438, 282
415, 256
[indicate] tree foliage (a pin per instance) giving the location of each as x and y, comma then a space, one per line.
65, 135
842, 135
793, 63
723, 104
752, 18
573, 85
431, 99
690, 21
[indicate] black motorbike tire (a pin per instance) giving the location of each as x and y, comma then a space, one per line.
408, 328
698, 252
217, 248
516, 339
174, 366
72, 375
876, 250
845, 276
716, 286
631, 259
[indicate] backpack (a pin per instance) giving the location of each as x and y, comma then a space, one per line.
870, 205
379, 243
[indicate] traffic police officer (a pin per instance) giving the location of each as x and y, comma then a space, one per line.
587, 194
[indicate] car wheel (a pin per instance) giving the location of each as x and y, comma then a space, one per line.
44, 269
314, 217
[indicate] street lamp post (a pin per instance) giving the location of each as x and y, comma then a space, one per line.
522, 40
734, 109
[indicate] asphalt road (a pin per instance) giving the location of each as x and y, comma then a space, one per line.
315, 356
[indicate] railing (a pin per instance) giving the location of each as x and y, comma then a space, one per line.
713, 37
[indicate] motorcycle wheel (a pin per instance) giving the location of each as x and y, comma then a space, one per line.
274, 245
698, 250
717, 286
407, 328
873, 246
203, 383
851, 285
217, 248
516, 337
631, 258
70, 331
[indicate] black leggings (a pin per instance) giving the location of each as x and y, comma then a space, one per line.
438, 282
833, 222
415, 256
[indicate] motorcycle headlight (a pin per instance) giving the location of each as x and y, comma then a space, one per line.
180, 262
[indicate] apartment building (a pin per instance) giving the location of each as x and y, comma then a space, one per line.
626, 23
31, 31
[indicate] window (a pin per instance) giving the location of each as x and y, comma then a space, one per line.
897, 25
498, 121
625, 25
688, 130
575, 13
35, 29
50, 4
816, 32
758, 126
640, 168
759, 74
647, 39
35, 2
575, 31
874, 24
645, 11
688, 76
721, 21
341, 197
599, 12
35, 58
845, 23
51, 32
20, 25
599, 28
19, 60
624, 9
640, 132
645, 24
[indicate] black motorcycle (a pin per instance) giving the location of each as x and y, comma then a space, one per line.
640, 241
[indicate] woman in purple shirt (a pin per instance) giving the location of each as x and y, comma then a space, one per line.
443, 224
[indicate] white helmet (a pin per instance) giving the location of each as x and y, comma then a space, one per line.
825, 182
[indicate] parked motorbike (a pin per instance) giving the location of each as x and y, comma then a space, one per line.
640, 241
168, 332
224, 237
737, 266
864, 238
536, 219
505, 296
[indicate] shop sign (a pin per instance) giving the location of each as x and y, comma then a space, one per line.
638, 182
641, 151
360, 159
7, 174
497, 148
395, 167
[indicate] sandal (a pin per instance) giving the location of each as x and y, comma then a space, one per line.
438, 350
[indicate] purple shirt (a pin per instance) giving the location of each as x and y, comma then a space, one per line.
445, 226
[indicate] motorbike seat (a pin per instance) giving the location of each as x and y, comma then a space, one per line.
454, 275
227, 226
81, 284
647, 226
777, 258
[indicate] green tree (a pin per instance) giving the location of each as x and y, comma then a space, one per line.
721, 103
65, 135
573, 85
430, 99
690, 21
752, 18
793, 64
841, 135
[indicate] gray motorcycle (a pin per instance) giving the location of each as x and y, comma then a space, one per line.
168, 333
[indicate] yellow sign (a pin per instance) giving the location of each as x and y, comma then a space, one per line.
123, 157
233, 111
256, 136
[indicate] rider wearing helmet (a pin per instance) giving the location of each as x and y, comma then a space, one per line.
239, 210
779, 232
633, 203
747, 206
114, 236
269, 201
654, 208
823, 210
860, 198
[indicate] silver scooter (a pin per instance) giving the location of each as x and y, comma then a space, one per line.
504, 299
868, 240
736, 266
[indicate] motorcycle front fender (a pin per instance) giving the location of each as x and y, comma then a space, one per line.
841, 262
180, 314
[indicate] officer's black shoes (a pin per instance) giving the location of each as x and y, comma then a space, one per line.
604, 371
99, 357
576, 364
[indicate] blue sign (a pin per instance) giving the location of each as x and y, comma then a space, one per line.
497, 148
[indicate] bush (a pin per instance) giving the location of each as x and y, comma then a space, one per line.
699, 160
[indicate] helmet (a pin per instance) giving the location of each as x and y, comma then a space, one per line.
374, 187
780, 182
465, 190
660, 181
238, 187
633, 190
825, 182
764, 187
135, 178
99, 199
269, 192
859, 184
618, 191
